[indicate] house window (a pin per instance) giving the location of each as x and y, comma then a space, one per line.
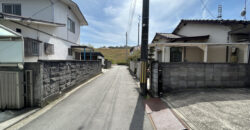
70, 52
48, 49
31, 47
18, 30
71, 25
176, 54
12, 8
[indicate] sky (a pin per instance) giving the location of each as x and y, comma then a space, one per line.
109, 20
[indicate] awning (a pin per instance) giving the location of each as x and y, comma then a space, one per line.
81, 48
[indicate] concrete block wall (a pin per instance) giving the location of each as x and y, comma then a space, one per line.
202, 75
154, 79
108, 64
135, 68
52, 78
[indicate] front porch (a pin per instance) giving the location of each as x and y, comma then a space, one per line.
80, 52
202, 52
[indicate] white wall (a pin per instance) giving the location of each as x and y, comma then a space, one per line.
62, 13
57, 12
31, 7
60, 46
218, 33
11, 52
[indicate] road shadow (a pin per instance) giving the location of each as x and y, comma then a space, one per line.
139, 114
6, 115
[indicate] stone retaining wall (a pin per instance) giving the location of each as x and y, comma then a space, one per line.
51, 78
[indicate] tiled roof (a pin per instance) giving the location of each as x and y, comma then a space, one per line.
222, 21
169, 35
211, 21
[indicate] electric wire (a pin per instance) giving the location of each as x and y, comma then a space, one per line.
131, 17
206, 8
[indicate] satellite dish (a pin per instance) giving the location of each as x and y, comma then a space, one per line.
243, 13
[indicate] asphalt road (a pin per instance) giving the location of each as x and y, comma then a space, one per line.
111, 102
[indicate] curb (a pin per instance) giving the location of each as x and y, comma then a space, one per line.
4, 125
177, 115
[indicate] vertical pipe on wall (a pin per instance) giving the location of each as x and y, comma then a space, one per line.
227, 54
90, 54
84, 53
248, 54
205, 53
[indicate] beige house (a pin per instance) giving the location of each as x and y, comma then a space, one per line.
208, 41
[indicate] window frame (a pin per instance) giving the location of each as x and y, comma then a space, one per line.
71, 25
13, 8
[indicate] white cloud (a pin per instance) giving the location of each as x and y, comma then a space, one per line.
164, 16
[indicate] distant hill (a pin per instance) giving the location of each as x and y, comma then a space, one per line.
116, 55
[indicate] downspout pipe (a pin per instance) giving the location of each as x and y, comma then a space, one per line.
90, 54
84, 53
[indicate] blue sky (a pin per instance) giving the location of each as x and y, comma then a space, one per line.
109, 19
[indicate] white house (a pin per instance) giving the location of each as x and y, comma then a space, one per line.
49, 27
209, 41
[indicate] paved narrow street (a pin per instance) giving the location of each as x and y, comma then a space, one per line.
110, 102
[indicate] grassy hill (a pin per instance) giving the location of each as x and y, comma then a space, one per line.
116, 55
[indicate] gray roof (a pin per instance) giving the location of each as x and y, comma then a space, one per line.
210, 21
169, 35
173, 37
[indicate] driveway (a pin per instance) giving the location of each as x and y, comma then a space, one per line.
212, 109
110, 102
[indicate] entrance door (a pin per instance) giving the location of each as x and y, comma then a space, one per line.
176, 54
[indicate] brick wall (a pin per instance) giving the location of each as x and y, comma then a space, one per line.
51, 78
202, 75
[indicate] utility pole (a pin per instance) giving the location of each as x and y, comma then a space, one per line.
139, 18
144, 47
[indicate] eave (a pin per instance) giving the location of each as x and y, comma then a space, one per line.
16, 18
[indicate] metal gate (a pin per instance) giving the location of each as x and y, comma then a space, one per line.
11, 90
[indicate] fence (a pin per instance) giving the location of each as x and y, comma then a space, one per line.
172, 76
11, 90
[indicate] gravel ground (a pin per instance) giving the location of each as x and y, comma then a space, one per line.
212, 109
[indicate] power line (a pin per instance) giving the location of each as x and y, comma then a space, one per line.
131, 16
205, 7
